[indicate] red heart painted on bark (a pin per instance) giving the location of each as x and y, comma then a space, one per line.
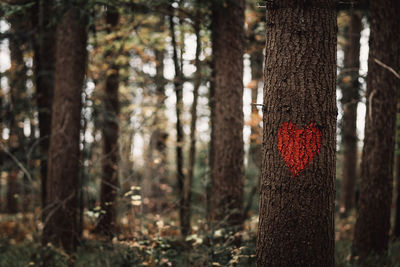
298, 146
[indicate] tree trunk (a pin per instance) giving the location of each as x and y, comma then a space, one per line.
155, 172
61, 222
396, 228
227, 171
17, 82
2, 143
350, 87
371, 233
44, 50
179, 130
255, 151
110, 129
186, 228
256, 63
296, 226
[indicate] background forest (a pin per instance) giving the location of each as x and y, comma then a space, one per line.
199, 133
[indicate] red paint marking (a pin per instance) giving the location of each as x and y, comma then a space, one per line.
298, 146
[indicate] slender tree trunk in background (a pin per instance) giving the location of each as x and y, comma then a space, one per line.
2, 143
155, 172
84, 156
44, 50
371, 233
61, 222
396, 228
179, 130
160, 134
186, 228
110, 129
227, 173
296, 226
350, 87
17, 82
255, 150
256, 64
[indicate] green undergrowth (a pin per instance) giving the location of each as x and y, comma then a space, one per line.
157, 252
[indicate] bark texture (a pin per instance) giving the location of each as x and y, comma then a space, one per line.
110, 131
296, 226
44, 49
396, 228
371, 233
61, 222
227, 152
350, 86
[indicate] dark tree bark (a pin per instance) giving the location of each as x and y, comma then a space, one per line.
371, 233
110, 130
178, 83
396, 228
2, 143
44, 50
61, 222
227, 171
186, 225
17, 82
350, 87
296, 226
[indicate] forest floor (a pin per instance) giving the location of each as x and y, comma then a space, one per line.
157, 244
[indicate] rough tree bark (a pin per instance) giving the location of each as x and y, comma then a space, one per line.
44, 50
110, 130
227, 171
350, 87
296, 226
371, 233
61, 224
396, 227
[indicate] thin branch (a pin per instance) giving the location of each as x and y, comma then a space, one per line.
380, 63
17, 162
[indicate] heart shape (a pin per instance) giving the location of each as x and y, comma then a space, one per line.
298, 146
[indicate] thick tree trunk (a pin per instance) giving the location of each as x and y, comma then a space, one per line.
296, 226
179, 130
350, 87
44, 49
17, 82
61, 222
192, 150
371, 233
227, 171
110, 130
